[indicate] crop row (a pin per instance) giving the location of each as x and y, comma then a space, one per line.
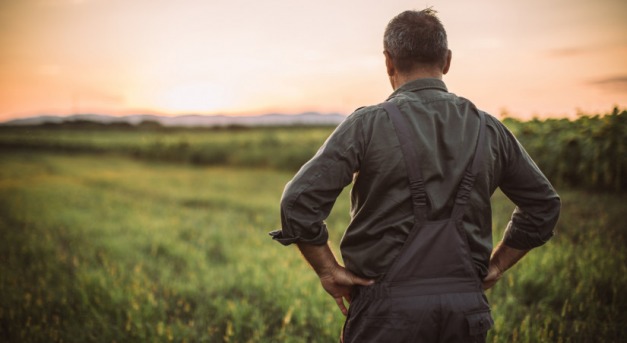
589, 152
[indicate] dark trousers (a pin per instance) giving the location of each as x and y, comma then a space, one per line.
439, 318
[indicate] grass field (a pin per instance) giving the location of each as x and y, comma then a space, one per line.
277, 148
589, 152
110, 249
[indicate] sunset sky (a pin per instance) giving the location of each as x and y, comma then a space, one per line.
533, 57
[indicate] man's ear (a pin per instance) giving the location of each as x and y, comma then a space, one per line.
447, 65
389, 64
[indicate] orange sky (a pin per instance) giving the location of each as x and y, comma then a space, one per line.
532, 57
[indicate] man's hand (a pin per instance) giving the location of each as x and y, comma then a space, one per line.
335, 279
501, 260
339, 283
494, 274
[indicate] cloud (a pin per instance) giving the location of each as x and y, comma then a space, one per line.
615, 47
49, 70
89, 96
568, 51
613, 83
56, 3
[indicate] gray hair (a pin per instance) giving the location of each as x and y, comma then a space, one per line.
416, 38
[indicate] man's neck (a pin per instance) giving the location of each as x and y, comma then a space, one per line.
399, 80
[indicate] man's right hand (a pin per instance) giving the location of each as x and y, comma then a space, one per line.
494, 274
501, 260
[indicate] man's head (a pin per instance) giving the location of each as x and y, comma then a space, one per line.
416, 41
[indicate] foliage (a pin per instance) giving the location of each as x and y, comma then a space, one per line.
283, 148
589, 152
104, 248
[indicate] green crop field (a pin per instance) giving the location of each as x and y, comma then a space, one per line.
113, 244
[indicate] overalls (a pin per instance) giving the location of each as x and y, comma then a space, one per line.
431, 293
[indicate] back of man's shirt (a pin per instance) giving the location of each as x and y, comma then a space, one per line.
365, 149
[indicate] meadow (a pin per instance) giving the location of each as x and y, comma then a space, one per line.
589, 152
101, 240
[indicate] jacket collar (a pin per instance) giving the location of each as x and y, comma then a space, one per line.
420, 84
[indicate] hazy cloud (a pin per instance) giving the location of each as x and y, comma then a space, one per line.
568, 51
56, 3
614, 83
93, 95
49, 70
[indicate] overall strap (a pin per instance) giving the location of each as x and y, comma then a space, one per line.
410, 155
416, 181
468, 180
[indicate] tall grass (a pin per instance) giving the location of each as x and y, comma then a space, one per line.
108, 249
590, 152
284, 148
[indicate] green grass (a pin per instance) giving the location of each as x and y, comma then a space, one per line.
285, 148
590, 152
110, 249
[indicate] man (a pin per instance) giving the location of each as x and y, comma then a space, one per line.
418, 250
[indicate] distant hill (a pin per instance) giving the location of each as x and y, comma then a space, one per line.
192, 120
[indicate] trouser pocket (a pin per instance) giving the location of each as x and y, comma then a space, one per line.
479, 322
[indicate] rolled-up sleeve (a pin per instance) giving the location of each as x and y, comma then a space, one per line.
309, 197
537, 203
